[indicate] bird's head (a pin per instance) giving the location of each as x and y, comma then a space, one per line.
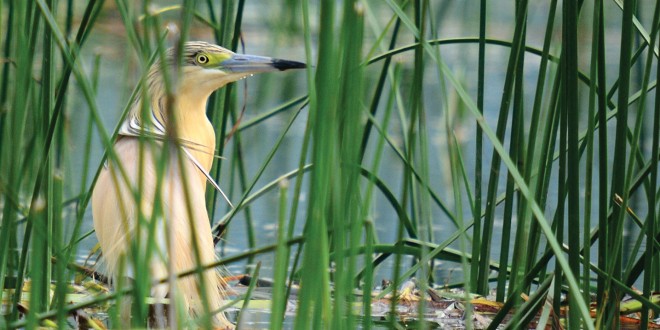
204, 68
207, 67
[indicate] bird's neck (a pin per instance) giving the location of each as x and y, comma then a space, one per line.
193, 125
194, 129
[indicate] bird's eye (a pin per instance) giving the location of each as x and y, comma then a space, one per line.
202, 59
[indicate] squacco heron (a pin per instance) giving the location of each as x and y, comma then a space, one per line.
172, 205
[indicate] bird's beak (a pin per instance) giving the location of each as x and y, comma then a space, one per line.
240, 63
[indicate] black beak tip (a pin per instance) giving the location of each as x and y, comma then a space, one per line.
287, 65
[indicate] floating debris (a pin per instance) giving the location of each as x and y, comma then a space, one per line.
442, 308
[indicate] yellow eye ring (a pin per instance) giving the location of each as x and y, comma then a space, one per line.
202, 59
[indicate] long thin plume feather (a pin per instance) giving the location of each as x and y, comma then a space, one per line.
132, 127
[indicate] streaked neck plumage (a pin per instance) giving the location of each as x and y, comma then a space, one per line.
192, 128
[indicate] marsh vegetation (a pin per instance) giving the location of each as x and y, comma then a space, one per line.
506, 148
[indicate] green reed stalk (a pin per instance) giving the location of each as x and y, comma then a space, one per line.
516, 150
603, 169
570, 108
41, 252
591, 127
23, 95
314, 297
652, 261
514, 57
222, 105
279, 301
479, 136
351, 129
648, 230
611, 306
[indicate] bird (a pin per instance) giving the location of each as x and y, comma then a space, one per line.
171, 181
